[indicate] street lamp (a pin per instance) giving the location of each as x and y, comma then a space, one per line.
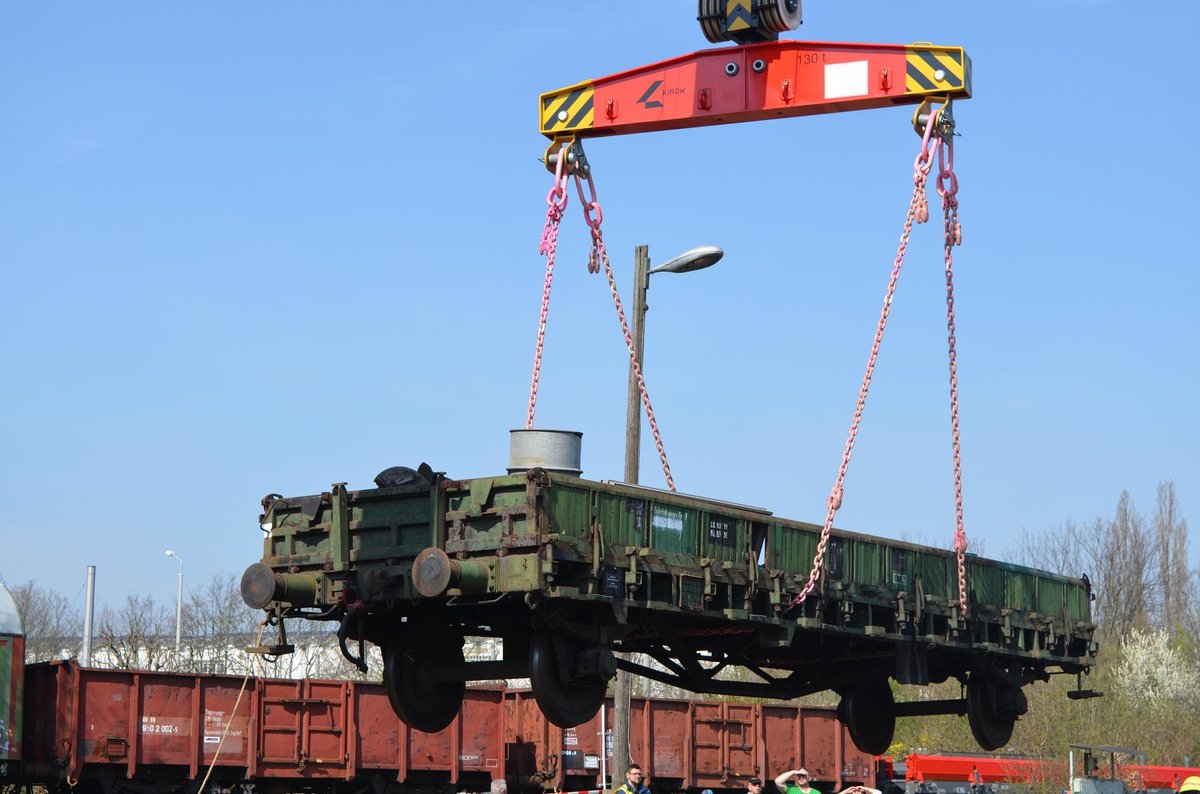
178, 603
693, 259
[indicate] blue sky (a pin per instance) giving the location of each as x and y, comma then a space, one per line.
253, 248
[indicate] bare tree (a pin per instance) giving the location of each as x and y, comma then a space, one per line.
1124, 556
1057, 549
217, 627
1174, 575
52, 625
139, 635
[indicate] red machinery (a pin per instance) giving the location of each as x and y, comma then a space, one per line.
1142, 777
112, 730
761, 78
995, 773
973, 769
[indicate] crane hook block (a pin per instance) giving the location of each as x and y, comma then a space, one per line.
747, 21
752, 82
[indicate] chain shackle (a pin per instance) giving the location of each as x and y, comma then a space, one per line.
601, 253
918, 212
556, 204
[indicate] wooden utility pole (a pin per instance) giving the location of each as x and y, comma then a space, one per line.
633, 440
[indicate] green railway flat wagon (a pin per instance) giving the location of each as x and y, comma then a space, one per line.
567, 570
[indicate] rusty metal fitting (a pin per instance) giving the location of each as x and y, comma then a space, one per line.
261, 585
577, 163
433, 573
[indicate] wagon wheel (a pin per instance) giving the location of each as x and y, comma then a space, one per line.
564, 704
419, 699
870, 715
991, 730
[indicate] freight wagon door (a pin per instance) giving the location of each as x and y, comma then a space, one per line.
324, 723
724, 745
303, 726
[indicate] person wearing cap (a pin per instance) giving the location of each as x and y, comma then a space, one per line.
633, 782
754, 785
794, 781
1190, 784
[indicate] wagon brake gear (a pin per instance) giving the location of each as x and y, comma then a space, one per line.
356, 612
1079, 693
280, 648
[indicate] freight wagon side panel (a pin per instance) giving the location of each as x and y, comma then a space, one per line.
380, 738
667, 726
638, 746
227, 733
782, 746
12, 676
528, 744
121, 724
480, 738
828, 747
814, 739
178, 720
43, 722
581, 752
820, 745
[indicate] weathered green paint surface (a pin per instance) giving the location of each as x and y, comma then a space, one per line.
575, 540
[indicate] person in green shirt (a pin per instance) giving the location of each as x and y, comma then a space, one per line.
794, 781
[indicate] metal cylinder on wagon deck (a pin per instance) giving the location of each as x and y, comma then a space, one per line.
553, 450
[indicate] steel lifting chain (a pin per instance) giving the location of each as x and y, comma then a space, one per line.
947, 188
556, 202
556, 205
599, 256
918, 212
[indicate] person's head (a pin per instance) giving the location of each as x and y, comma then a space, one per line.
633, 773
754, 785
801, 777
1190, 784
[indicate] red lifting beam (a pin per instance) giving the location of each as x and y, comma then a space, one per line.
753, 82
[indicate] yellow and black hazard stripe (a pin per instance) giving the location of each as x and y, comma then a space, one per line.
738, 16
937, 70
568, 109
